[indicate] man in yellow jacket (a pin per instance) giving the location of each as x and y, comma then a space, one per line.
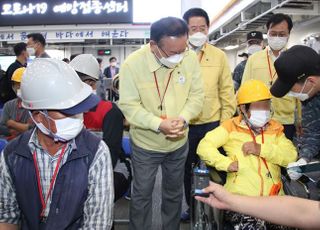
260, 66
219, 103
160, 92
256, 148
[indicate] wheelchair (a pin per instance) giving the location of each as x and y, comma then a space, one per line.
203, 217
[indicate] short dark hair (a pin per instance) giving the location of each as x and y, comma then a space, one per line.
169, 26
66, 60
99, 60
37, 37
112, 59
277, 19
73, 56
19, 48
196, 12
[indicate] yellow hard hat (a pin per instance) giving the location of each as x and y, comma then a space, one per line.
252, 91
17, 74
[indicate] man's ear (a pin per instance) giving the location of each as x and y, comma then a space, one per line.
36, 116
152, 43
313, 79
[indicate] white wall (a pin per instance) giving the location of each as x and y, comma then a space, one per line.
119, 52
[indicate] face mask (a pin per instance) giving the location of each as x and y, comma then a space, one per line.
113, 64
277, 43
67, 128
172, 61
31, 51
259, 118
301, 96
198, 39
254, 48
94, 92
19, 93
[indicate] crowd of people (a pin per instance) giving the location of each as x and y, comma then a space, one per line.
64, 166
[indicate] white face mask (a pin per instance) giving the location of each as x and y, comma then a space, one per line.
277, 43
301, 96
31, 51
113, 64
19, 93
67, 128
172, 61
259, 118
198, 39
254, 48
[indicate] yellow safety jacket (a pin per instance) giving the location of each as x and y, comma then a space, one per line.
253, 177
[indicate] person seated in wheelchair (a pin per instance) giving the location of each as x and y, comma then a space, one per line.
256, 149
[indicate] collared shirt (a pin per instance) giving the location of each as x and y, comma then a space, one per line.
271, 54
140, 101
98, 208
113, 71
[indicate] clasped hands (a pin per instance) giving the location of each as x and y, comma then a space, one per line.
173, 127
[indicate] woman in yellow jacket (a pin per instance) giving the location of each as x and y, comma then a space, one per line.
256, 148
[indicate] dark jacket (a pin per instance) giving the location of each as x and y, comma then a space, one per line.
70, 190
107, 72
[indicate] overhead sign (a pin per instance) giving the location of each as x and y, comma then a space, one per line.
69, 35
56, 12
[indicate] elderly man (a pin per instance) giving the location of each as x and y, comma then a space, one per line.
160, 92
58, 175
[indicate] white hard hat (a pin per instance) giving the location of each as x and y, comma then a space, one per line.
86, 64
51, 84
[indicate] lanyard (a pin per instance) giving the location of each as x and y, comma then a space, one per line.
263, 160
52, 181
200, 56
270, 71
165, 90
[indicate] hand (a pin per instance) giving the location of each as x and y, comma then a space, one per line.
233, 167
172, 127
218, 198
251, 148
179, 129
293, 174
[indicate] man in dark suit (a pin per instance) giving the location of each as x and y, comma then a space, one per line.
112, 69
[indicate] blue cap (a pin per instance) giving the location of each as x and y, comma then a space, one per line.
83, 106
